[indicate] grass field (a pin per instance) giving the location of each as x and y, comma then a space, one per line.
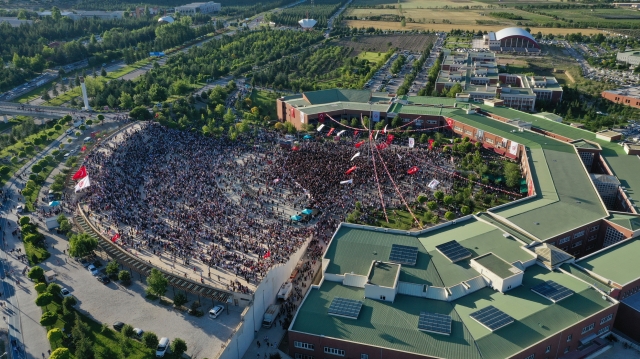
266, 103
396, 26
381, 43
419, 4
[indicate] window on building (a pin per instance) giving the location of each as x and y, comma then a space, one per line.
548, 349
303, 345
489, 140
334, 351
303, 356
364, 356
595, 228
530, 356
577, 244
588, 328
566, 350
606, 319
456, 128
552, 243
592, 238
564, 240
589, 248
603, 330
569, 337
578, 234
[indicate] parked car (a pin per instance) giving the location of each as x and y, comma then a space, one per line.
103, 279
215, 311
93, 269
118, 326
163, 347
138, 332
19, 209
64, 292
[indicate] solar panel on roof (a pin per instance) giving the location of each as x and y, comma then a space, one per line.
552, 291
492, 318
343, 307
435, 323
454, 251
403, 254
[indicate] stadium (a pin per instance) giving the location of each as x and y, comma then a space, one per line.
511, 39
505, 283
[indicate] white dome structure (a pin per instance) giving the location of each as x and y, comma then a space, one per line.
167, 19
307, 23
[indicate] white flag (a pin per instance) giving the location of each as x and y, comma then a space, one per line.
83, 183
320, 128
354, 156
377, 132
412, 142
347, 181
385, 128
339, 133
399, 157
434, 184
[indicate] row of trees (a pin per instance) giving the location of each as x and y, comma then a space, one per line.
416, 67
321, 12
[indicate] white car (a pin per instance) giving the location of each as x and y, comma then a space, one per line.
138, 332
93, 270
64, 292
19, 209
215, 311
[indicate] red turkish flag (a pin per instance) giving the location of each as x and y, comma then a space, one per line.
84, 148
321, 117
389, 139
267, 255
330, 132
359, 144
450, 122
82, 173
293, 112
356, 133
115, 237
430, 143
382, 146
350, 170
412, 170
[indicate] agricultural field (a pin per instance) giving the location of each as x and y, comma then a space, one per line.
382, 43
396, 26
321, 12
610, 18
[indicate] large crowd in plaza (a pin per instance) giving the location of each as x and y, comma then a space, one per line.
227, 204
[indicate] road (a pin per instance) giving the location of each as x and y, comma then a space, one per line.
422, 77
333, 17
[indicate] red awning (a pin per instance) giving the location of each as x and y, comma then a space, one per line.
499, 151
511, 156
487, 146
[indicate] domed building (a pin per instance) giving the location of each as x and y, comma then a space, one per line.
509, 39
307, 24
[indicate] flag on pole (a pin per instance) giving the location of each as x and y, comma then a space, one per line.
267, 255
385, 128
413, 170
412, 142
339, 133
389, 139
347, 181
82, 173
84, 148
83, 183
115, 237
350, 170
431, 143
359, 144
356, 133
382, 146
330, 132
320, 128
399, 157
354, 156
377, 132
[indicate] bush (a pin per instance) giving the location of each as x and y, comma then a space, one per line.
449, 216
124, 276
60, 353
54, 289
178, 347
44, 299
127, 330
24, 220
4, 170
41, 288
150, 340
179, 299
48, 319
112, 269
36, 274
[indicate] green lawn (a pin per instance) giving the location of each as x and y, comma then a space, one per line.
266, 102
373, 57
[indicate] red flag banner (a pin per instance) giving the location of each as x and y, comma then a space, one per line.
84, 148
115, 237
267, 255
382, 146
293, 112
413, 170
450, 122
356, 133
295, 148
82, 173
351, 170
431, 143
321, 118
359, 144
389, 139
330, 132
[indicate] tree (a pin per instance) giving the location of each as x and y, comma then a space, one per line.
421, 198
465, 210
100, 118
44, 299
48, 319
69, 302
124, 276
512, 174
150, 340
82, 244
157, 283
54, 289
54, 335
140, 113
439, 195
448, 200
84, 348
229, 116
36, 169
112, 269
24, 220
56, 14
178, 347
432, 205
179, 299
60, 353
103, 72
449, 216
36, 274
127, 331
41, 288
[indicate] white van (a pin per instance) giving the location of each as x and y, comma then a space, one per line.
163, 347
215, 311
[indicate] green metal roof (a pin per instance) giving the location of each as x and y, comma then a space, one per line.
337, 95
427, 100
420, 110
578, 273
607, 262
625, 167
496, 265
339, 106
628, 221
383, 274
384, 324
564, 189
353, 250
536, 318
584, 144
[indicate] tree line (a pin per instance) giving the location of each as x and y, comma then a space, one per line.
321, 12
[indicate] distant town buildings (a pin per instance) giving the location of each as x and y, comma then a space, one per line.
629, 96
199, 8
511, 39
80, 14
629, 57
14, 21
152, 11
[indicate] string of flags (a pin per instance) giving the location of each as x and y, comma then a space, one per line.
83, 178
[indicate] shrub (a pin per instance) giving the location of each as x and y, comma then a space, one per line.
24, 220
36, 274
150, 340
179, 299
449, 216
48, 319
44, 299
124, 276
127, 330
112, 269
41, 288
60, 353
54, 289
